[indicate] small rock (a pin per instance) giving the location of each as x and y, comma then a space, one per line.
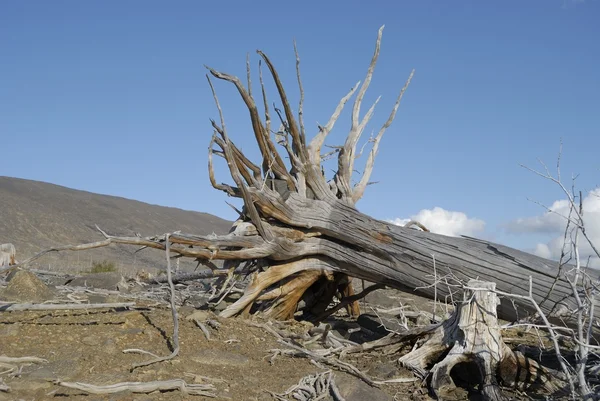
217, 357
353, 389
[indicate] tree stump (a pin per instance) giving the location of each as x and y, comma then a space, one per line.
468, 347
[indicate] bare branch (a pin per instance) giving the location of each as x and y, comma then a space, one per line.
301, 105
346, 157
416, 223
12, 307
205, 390
314, 148
297, 142
359, 189
264, 96
231, 191
265, 145
248, 77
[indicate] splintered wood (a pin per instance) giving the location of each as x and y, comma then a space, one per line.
470, 341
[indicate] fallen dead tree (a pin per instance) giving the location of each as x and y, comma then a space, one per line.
300, 236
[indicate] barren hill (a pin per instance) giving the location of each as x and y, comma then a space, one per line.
35, 216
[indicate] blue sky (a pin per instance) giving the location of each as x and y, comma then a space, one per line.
110, 97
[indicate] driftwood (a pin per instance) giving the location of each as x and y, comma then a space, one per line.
12, 307
205, 390
21, 359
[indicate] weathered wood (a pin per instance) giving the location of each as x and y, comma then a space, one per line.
403, 258
206, 390
470, 342
12, 307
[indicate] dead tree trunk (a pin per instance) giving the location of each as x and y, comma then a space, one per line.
299, 232
307, 227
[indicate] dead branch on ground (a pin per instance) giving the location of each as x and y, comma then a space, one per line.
205, 390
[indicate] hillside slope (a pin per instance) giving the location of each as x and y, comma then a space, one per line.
36, 215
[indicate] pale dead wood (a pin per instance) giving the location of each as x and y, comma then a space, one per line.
22, 359
205, 390
298, 144
416, 223
335, 391
266, 279
359, 189
472, 336
301, 102
203, 328
347, 153
13, 307
314, 148
312, 387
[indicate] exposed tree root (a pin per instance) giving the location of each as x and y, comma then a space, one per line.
261, 281
468, 347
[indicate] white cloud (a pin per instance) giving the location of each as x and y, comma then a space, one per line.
554, 222
543, 251
445, 222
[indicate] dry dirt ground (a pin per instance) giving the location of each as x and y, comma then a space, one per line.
87, 346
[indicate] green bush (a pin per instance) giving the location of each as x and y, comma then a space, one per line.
106, 266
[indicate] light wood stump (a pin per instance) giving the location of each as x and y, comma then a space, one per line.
469, 347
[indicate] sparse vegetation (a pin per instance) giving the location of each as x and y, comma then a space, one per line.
106, 266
